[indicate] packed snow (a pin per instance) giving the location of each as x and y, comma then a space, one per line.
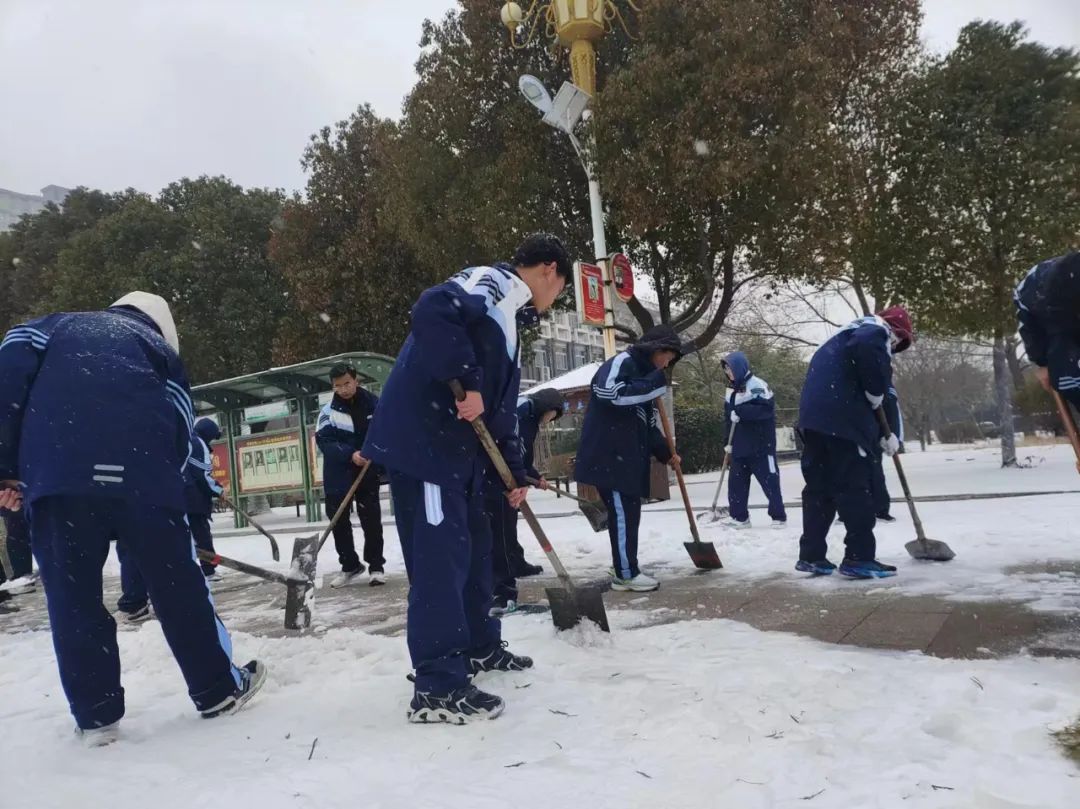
692, 714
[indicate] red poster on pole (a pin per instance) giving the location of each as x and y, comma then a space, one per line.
623, 275
589, 291
220, 465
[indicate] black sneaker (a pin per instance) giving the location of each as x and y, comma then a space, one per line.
498, 660
252, 677
527, 570
886, 517
137, 615
822, 567
466, 704
857, 569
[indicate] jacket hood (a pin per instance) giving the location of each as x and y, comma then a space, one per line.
740, 368
548, 399
155, 308
207, 430
660, 338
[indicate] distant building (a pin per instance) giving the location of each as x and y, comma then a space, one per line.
14, 205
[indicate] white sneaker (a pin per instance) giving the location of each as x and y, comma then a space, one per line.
376, 578
342, 579
99, 737
731, 522
21, 585
498, 611
639, 584
778, 524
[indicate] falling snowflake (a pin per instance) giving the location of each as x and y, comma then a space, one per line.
701, 148
15, 262
325, 318
196, 245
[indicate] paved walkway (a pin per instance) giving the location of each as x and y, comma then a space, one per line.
867, 615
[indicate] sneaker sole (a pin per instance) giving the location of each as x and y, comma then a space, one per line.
882, 574
813, 571
627, 588
257, 681
350, 583
433, 716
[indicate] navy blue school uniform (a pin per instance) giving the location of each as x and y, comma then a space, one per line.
620, 434
464, 329
96, 420
508, 557
342, 428
753, 446
847, 380
1047, 305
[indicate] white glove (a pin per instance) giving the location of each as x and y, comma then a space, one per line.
735, 417
727, 449
891, 445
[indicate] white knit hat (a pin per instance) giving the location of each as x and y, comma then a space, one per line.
154, 307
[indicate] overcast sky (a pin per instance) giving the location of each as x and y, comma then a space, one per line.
118, 93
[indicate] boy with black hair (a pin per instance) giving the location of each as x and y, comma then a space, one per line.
465, 329
342, 428
620, 434
508, 557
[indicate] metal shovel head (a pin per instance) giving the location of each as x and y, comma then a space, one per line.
703, 555
568, 610
596, 515
299, 598
930, 550
714, 514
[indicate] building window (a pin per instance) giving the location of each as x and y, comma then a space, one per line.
545, 329
545, 374
560, 361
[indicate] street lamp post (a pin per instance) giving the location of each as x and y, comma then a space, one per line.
576, 24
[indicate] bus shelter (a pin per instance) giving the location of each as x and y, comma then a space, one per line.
268, 421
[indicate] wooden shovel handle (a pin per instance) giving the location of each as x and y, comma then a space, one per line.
678, 470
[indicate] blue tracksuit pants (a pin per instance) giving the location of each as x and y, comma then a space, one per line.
446, 542
133, 596
764, 468
624, 519
70, 537
837, 475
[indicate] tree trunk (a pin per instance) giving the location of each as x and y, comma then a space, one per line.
1015, 371
1003, 392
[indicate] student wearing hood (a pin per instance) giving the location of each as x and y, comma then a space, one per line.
620, 435
751, 413
95, 437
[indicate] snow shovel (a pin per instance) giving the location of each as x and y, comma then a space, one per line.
305, 557
273, 542
569, 604
703, 554
1070, 426
930, 550
596, 516
289, 581
716, 514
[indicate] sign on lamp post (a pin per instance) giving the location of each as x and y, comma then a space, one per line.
622, 276
589, 294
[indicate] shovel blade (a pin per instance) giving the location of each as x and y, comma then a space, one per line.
703, 555
714, 514
596, 516
568, 610
930, 550
300, 598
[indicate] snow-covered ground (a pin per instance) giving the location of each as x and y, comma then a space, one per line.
990, 537
695, 714
692, 715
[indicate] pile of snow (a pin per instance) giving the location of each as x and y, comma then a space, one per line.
692, 715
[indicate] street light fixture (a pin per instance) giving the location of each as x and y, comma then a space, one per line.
565, 112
